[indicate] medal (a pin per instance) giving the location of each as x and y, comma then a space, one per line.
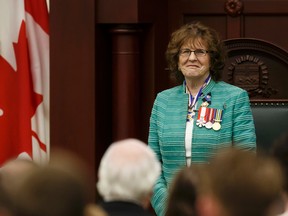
201, 117
210, 115
217, 119
190, 115
209, 125
205, 104
192, 103
216, 126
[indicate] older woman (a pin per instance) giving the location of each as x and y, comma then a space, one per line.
191, 121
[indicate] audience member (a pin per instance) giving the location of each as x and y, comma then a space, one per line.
280, 152
6, 205
94, 210
241, 183
127, 174
74, 165
56, 189
12, 173
183, 192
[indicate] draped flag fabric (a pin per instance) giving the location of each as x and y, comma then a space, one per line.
24, 80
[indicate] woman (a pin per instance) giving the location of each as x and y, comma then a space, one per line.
190, 122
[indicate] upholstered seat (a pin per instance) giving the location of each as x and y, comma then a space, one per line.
271, 121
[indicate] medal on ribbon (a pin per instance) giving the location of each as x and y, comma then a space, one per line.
190, 115
210, 118
193, 100
217, 119
201, 120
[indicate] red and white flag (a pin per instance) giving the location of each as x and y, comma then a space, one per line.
24, 80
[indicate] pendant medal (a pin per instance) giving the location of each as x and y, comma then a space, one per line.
216, 126
210, 115
217, 119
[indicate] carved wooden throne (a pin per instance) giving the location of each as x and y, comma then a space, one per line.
261, 68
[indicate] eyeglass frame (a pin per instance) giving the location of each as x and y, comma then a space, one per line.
204, 52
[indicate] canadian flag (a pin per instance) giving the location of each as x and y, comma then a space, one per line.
24, 80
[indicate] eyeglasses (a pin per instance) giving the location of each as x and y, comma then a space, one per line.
185, 53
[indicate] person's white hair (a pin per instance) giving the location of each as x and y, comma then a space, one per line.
128, 171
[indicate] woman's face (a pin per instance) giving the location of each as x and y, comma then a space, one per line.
194, 64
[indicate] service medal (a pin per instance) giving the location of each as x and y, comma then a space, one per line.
201, 121
217, 119
209, 125
209, 115
216, 126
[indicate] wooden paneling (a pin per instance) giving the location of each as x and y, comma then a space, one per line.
72, 83
262, 20
268, 27
111, 11
258, 18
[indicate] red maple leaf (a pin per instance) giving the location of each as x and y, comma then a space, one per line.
18, 102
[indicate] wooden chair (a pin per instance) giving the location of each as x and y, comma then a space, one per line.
261, 68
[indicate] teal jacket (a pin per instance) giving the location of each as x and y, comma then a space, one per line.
167, 131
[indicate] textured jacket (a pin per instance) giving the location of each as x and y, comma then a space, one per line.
168, 124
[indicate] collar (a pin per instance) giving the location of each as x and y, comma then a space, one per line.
205, 90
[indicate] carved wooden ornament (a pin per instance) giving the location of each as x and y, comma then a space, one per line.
234, 7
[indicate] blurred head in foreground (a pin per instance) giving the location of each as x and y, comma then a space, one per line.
241, 183
57, 189
128, 171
